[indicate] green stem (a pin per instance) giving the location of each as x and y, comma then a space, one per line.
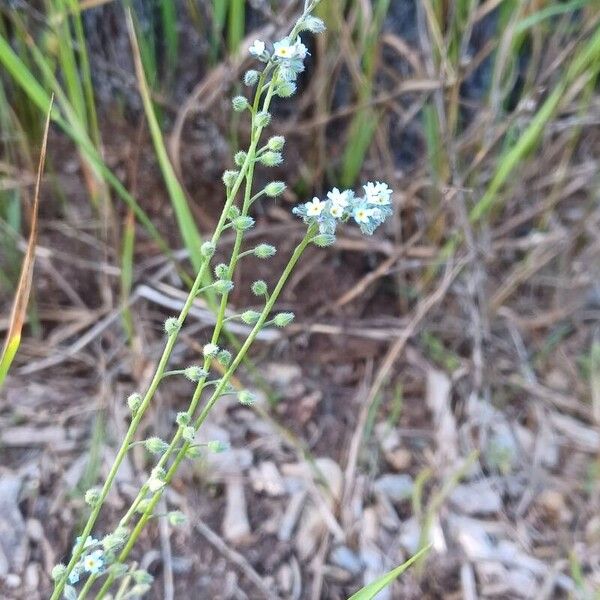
164, 359
209, 405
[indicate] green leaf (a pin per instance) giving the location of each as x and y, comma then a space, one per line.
371, 590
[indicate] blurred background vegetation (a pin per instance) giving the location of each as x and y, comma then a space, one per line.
482, 115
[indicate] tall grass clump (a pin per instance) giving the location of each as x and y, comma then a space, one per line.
100, 562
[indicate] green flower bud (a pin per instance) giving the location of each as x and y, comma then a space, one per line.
233, 212
240, 103
182, 419
218, 446
195, 373
210, 350
155, 445
176, 518
323, 240
224, 357
270, 159
251, 77
58, 571
263, 118
243, 223
117, 570
171, 326
276, 143
142, 576
285, 89
274, 189
265, 251
259, 287
230, 177
92, 496
207, 249
223, 286
221, 271
283, 319
250, 317
193, 452
115, 540
189, 433
313, 24
240, 158
246, 397
139, 590
134, 402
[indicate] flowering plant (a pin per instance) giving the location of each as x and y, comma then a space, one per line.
93, 559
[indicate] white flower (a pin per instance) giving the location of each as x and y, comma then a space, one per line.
300, 50
210, 350
284, 49
257, 49
338, 198
378, 193
93, 562
362, 215
315, 207
335, 210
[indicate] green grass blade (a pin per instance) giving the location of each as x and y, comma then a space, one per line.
7, 356
370, 591
187, 226
236, 22
553, 10
169, 28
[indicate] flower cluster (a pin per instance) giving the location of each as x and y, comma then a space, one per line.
368, 211
287, 54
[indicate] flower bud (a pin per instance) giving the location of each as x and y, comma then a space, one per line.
276, 143
155, 484
221, 271
240, 158
134, 402
218, 446
259, 287
193, 452
283, 319
246, 397
224, 357
274, 189
142, 505
263, 118
207, 249
182, 419
313, 24
239, 103
229, 177
155, 445
233, 212
143, 577
265, 251
223, 286
189, 433
251, 77
195, 373
58, 571
117, 570
176, 518
285, 89
210, 350
270, 159
243, 223
92, 496
323, 240
171, 326
250, 317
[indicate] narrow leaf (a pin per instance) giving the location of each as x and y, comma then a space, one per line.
19, 310
371, 590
